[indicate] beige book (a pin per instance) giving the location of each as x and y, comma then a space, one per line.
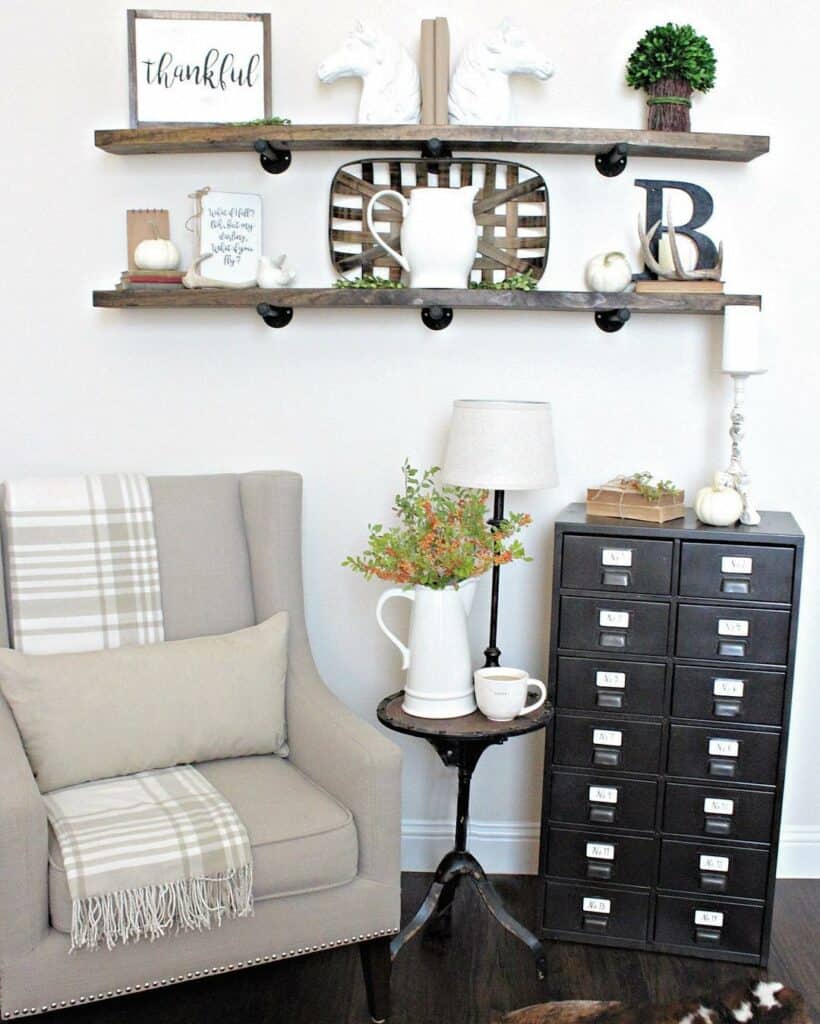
442, 86
427, 71
678, 287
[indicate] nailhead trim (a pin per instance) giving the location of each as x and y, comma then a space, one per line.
205, 972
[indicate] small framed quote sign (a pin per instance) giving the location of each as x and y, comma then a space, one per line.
227, 230
198, 67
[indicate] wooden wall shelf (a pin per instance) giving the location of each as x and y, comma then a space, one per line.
611, 309
600, 142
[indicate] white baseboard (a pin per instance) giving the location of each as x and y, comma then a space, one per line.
511, 847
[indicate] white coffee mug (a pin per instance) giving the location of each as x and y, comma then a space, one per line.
501, 693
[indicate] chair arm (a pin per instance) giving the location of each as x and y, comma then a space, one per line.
351, 760
23, 847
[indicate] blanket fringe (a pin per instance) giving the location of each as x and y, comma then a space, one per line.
152, 911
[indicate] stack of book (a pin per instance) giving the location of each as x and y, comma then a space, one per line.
435, 70
150, 279
621, 499
667, 287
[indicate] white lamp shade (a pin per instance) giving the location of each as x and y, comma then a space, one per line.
501, 446
742, 352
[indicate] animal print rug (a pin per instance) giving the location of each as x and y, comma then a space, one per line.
756, 1002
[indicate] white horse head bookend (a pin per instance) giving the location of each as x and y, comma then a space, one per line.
480, 88
390, 78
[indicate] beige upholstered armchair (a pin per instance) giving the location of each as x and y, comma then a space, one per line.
323, 824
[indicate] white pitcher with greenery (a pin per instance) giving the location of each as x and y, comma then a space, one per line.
443, 543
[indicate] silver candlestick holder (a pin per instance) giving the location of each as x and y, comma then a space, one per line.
736, 470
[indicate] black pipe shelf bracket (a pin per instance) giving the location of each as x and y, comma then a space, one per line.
275, 316
612, 162
611, 320
274, 159
437, 317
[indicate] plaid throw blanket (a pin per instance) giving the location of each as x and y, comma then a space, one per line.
150, 852
147, 853
82, 563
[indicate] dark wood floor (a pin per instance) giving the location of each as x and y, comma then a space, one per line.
481, 973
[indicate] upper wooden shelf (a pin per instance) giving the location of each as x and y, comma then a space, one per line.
513, 139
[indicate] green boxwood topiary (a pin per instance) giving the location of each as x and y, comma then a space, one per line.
672, 51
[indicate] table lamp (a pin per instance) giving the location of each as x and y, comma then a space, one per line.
500, 446
742, 358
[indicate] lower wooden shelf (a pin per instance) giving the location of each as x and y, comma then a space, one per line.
611, 309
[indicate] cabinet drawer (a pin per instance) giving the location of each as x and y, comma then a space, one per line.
708, 924
719, 812
579, 799
730, 755
592, 742
596, 684
728, 695
631, 627
601, 857
737, 571
598, 912
617, 563
718, 870
733, 634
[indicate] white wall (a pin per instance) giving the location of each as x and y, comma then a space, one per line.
344, 397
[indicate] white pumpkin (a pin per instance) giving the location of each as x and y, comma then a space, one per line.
156, 254
720, 504
608, 272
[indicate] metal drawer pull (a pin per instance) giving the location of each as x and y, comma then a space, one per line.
718, 816
710, 881
715, 826
727, 707
736, 586
595, 914
602, 801
708, 926
599, 871
723, 758
606, 757
601, 814
720, 769
609, 578
609, 700
607, 747
600, 861
732, 649
612, 640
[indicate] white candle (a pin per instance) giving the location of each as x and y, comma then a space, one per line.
741, 340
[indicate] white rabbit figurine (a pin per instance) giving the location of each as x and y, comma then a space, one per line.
273, 273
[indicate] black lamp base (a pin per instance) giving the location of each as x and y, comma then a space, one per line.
492, 654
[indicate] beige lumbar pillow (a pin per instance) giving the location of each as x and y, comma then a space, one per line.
129, 709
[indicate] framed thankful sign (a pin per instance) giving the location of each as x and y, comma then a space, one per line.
198, 67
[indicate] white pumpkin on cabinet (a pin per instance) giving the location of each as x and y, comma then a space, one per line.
720, 504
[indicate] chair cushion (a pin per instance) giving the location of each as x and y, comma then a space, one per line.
301, 838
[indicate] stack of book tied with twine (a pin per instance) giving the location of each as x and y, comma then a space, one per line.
620, 498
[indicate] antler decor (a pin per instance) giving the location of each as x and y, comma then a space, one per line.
681, 273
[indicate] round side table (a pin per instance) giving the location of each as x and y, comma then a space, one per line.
460, 742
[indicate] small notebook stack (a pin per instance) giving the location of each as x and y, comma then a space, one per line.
665, 287
435, 70
150, 279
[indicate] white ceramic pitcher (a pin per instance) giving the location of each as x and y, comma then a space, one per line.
438, 235
437, 655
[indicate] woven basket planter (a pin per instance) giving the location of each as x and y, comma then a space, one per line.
669, 102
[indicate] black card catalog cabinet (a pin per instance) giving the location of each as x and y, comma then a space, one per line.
671, 661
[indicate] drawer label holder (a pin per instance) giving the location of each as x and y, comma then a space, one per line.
709, 918
724, 748
612, 619
728, 687
709, 862
736, 564
603, 795
714, 805
600, 851
733, 627
620, 557
607, 737
612, 680
596, 905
